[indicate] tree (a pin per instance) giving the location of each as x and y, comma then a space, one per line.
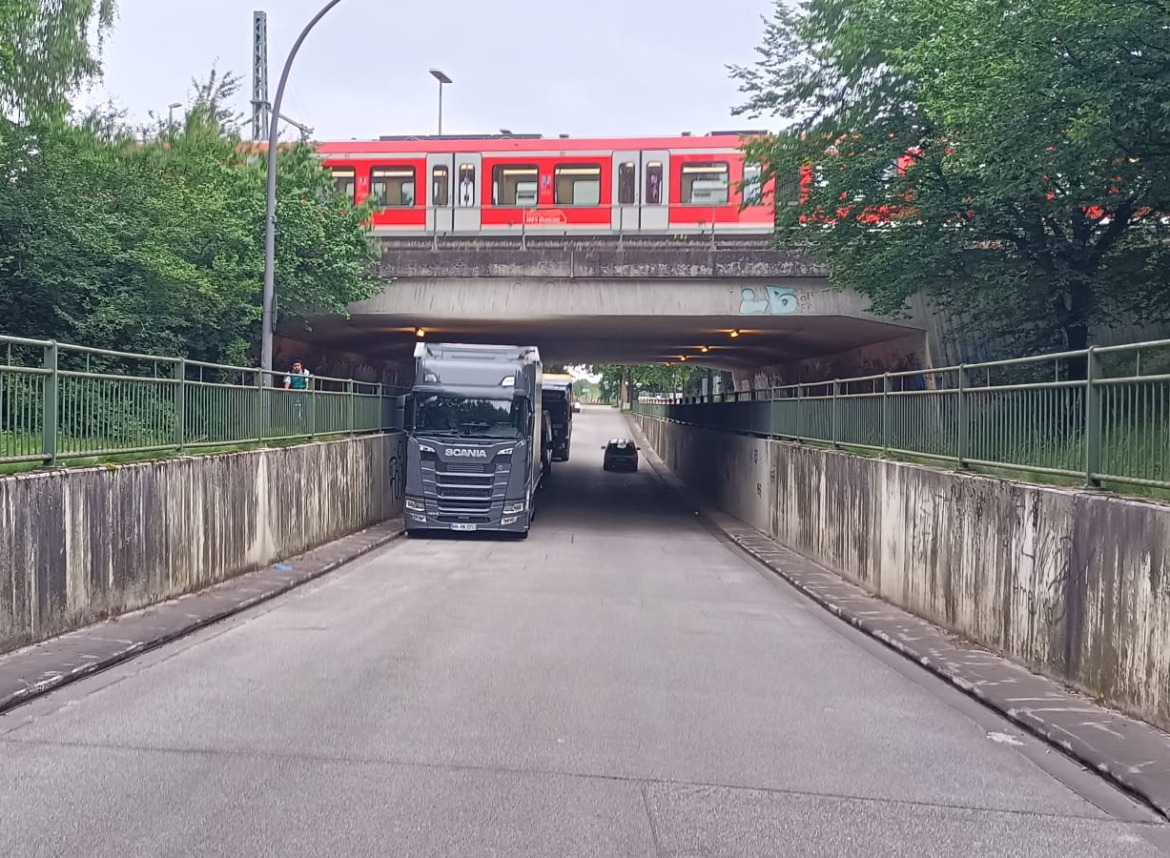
45, 53
159, 247
1003, 156
653, 379
213, 98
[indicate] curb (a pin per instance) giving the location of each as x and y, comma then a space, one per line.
1119, 774
363, 542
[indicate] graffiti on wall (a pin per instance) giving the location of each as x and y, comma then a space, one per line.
771, 301
398, 472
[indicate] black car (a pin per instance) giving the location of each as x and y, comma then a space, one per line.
620, 454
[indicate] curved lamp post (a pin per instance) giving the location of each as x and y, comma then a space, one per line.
270, 219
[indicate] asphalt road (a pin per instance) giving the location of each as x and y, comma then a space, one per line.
623, 683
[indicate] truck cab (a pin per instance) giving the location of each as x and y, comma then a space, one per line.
475, 451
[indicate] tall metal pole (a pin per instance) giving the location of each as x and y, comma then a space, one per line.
442, 78
270, 218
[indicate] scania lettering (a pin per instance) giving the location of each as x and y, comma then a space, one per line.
475, 450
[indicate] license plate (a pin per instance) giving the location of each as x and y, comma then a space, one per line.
464, 526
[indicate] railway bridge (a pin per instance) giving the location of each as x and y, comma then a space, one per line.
734, 304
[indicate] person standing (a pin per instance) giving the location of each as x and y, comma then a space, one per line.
297, 380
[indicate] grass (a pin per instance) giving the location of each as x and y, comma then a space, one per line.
114, 459
1139, 447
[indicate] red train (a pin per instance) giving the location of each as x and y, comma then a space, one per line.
505, 184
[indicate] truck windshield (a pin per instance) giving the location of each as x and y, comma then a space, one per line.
448, 414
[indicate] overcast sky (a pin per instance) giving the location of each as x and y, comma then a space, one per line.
595, 67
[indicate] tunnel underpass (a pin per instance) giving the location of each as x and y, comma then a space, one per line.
624, 682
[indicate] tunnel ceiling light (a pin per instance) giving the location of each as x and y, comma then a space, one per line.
704, 349
734, 334
420, 333
682, 358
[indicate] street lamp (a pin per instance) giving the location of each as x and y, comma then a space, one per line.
442, 79
270, 217
171, 114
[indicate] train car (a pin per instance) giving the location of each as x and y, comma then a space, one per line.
513, 184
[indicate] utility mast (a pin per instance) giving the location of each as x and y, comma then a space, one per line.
261, 109
260, 75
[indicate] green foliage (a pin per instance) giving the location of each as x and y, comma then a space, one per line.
45, 53
653, 379
1036, 134
158, 247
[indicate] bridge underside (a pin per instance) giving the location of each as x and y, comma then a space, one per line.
596, 321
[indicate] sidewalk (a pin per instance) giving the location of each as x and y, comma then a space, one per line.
1132, 754
38, 669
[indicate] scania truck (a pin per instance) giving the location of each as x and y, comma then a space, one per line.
476, 446
558, 401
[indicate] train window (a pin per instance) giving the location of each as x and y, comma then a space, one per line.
392, 187
753, 188
440, 186
467, 185
705, 184
654, 183
627, 181
515, 184
344, 179
578, 184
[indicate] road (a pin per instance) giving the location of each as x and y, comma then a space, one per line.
623, 683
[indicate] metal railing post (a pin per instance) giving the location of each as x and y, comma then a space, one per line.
180, 403
261, 410
835, 423
352, 418
1092, 421
312, 392
52, 387
886, 416
799, 413
964, 419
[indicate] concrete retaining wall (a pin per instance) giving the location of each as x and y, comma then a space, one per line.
1072, 583
79, 545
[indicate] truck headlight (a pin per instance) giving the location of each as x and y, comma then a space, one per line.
416, 505
512, 508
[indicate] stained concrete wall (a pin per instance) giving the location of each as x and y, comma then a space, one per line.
79, 545
677, 260
1072, 583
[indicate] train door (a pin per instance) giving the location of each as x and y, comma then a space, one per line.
627, 169
441, 203
655, 214
467, 191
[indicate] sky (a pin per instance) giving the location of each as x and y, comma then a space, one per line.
590, 68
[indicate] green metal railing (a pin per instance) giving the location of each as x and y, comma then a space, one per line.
60, 402
1102, 415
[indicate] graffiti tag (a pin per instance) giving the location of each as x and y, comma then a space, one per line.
397, 479
775, 301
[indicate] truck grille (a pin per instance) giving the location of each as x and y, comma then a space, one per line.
468, 468
465, 488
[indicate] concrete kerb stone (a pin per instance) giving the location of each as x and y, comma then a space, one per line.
1131, 754
41, 668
